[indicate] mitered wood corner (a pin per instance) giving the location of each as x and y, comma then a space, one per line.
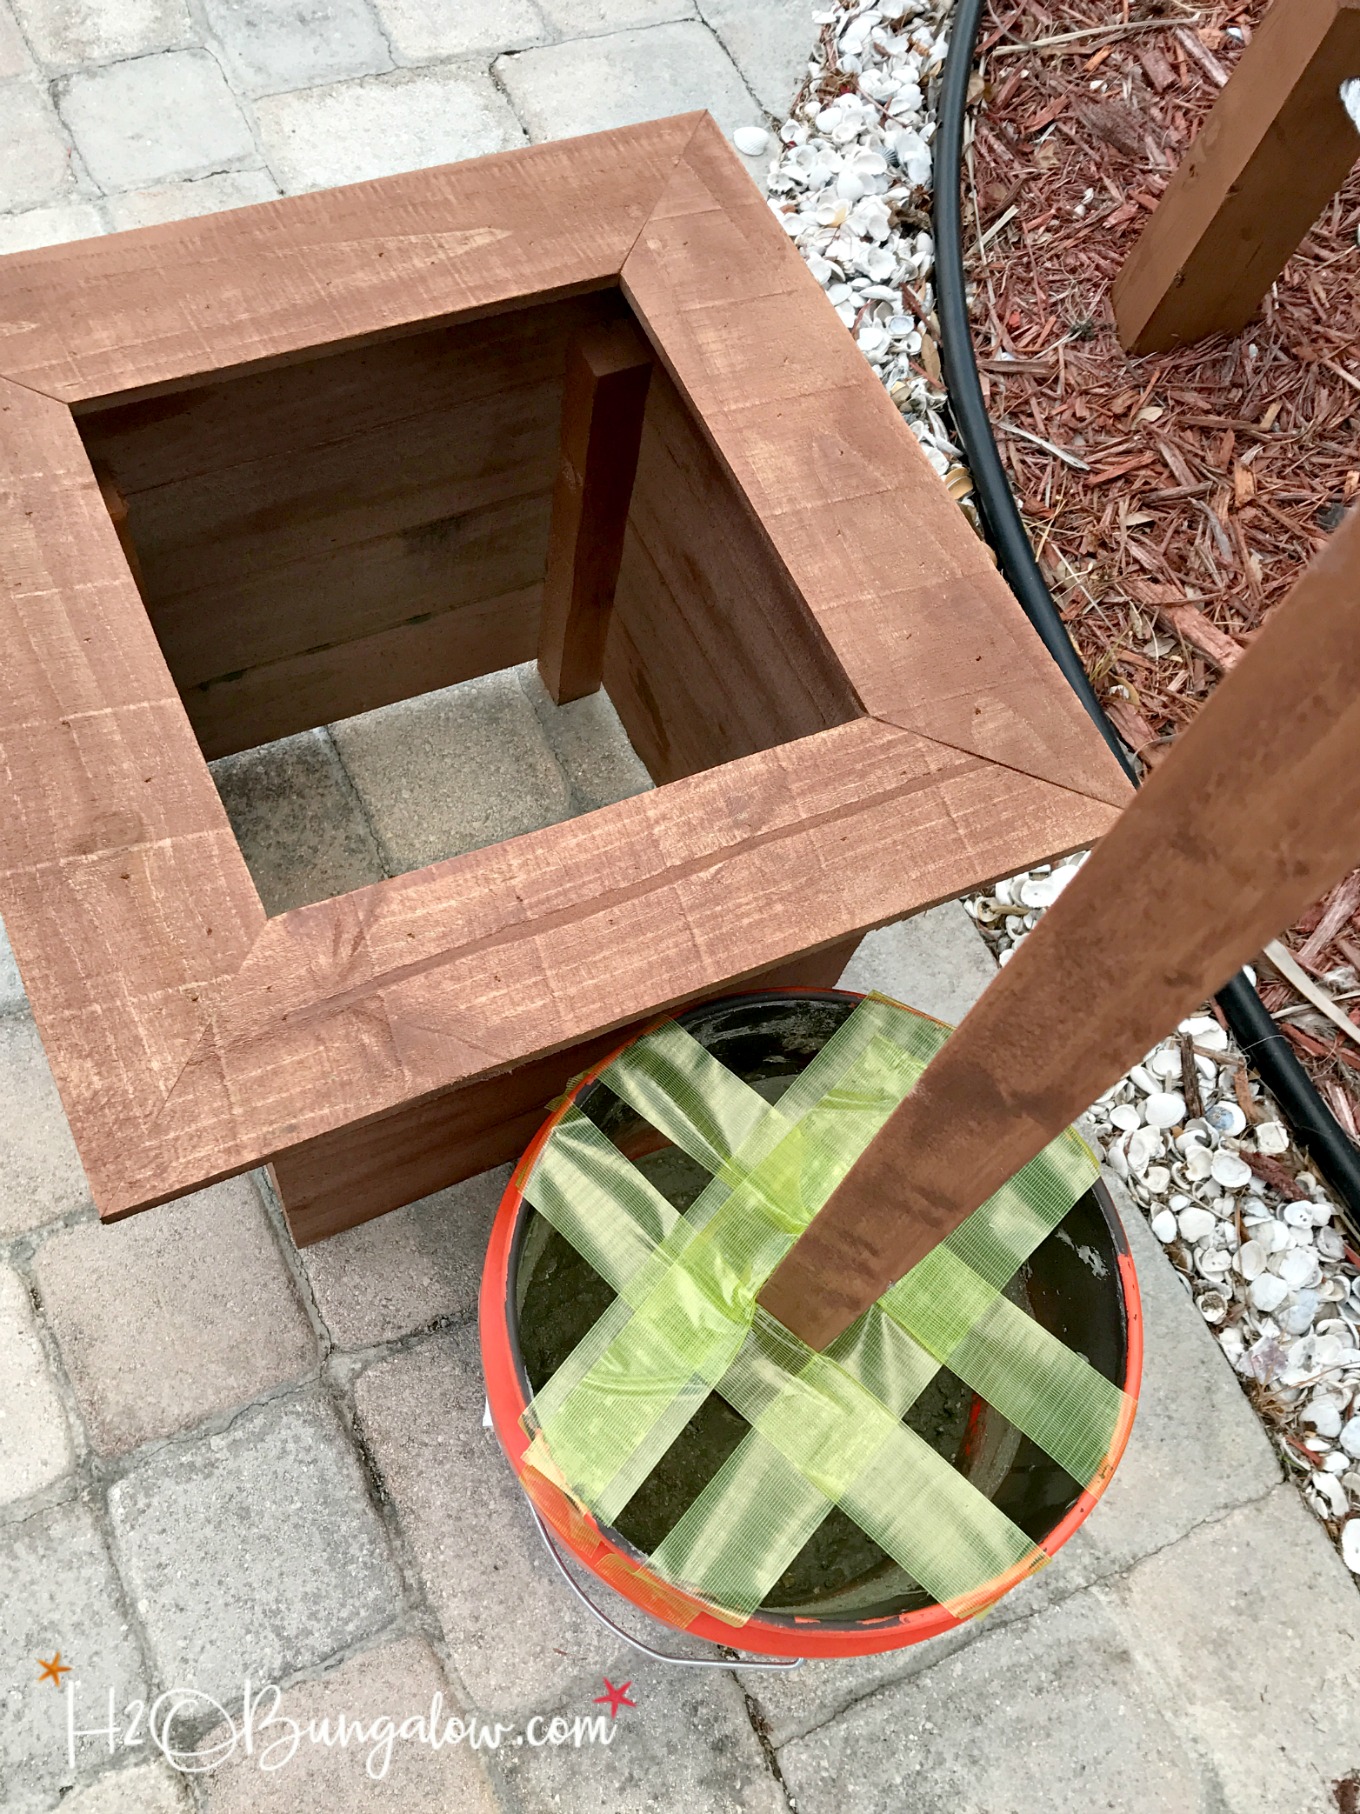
845, 713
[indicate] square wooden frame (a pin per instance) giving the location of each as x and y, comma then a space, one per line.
378, 1045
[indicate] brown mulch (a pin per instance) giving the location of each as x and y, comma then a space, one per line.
1196, 484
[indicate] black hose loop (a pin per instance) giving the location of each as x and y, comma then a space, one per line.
1314, 1126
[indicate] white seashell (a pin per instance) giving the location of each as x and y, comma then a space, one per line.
1145, 1145
1299, 1268
1164, 1226
1165, 1062
1163, 1109
1322, 1212
1251, 1259
751, 141
1350, 1438
1199, 1162
1213, 1262
1146, 1082
1335, 1464
1039, 891
1226, 1117
1267, 1293
1230, 1171
1274, 1237
1271, 1137
1125, 1116
1157, 1180
1213, 1306
1350, 1545
1331, 1492
1296, 1318
1195, 1223
1116, 1158
1325, 1416
1297, 1215
1330, 1244
1254, 1210
1205, 1032
1198, 1129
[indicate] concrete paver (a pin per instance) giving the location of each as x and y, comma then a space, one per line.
180, 201
58, 1592
490, 1584
403, 1272
1053, 1715
254, 1551
421, 29
588, 84
395, 1682
266, 47
686, 1744
41, 1179
188, 123
66, 34
1248, 1626
300, 825
314, 138
453, 770
207, 1317
35, 1440
35, 163
49, 226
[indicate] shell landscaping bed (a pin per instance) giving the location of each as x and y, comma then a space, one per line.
1172, 502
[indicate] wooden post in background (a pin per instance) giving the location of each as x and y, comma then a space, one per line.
605, 393
1274, 150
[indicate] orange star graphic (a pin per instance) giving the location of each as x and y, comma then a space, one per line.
616, 1697
54, 1671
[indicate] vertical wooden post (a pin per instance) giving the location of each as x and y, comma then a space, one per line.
116, 505
608, 370
1277, 145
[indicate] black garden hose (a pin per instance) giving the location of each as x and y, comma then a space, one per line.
1314, 1126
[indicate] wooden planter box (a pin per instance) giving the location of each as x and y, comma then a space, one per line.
337, 425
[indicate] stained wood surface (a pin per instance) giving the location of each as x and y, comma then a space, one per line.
266, 284
504, 955
363, 1171
713, 652
1276, 147
798, 603
925, 629
123, 891
295, 527
1253, 814
608, 368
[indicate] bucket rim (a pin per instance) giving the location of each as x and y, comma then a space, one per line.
603, 1551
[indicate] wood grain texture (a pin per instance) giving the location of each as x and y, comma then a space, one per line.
713, 652
928, 634
1254, 814
853, 725
504, 955
1275, 148
608, 369
265, 284
121, 885
365, 1170
298, 524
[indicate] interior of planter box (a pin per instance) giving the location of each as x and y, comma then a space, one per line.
355, 528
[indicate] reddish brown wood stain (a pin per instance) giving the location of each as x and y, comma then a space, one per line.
807, 645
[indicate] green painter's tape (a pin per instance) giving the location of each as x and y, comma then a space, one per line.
826, 1429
